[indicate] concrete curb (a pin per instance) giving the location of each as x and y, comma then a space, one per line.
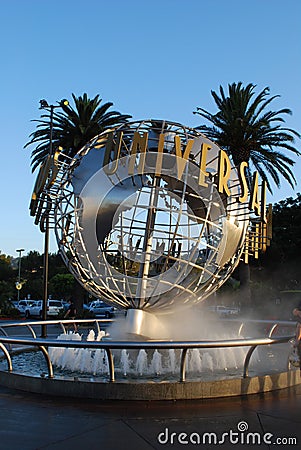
161, 390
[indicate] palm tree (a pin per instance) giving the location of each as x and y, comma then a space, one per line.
72, 127
249, 132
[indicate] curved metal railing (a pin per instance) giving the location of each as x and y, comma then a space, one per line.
6, 342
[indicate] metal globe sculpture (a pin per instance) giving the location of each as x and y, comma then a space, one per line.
150, 216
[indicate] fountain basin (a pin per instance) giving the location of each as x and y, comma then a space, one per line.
186, 357
155, 390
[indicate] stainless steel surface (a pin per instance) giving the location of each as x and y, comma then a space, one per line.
153, 239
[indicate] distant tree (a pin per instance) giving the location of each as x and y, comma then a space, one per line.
287, 229
61, 283
73, 127
7, 280
7, 290
32, 275
6, 270
56, 265
32, 262
7, 308
61, 286
278, 270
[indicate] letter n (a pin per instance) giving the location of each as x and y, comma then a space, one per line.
139, 142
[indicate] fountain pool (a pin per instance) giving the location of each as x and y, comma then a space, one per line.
93, 365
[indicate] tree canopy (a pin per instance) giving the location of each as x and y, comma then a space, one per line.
249, 131
72, 127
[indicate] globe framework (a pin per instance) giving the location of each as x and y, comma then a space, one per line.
134, 232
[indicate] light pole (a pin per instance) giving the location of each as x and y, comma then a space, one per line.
19, 285
44, 105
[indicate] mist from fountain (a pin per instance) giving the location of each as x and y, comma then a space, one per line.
156, 363
125, 362
141, 362
182, 326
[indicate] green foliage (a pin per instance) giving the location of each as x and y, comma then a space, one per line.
7, 278
248, 131
7, 289
61, 282
7, 309
62, 285
6, 271
279, 269
73, 127
287, 228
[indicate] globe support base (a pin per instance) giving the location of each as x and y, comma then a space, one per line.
144, 324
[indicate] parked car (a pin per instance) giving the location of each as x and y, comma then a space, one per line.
54, 308
23, 306
65, 304
100, 308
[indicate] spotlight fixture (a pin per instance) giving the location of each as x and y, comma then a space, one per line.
43, 104
64, 102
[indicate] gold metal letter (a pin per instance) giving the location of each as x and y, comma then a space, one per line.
243, 182
224, 170
263, 201
116, 146
160, 155
203, 173
53, 169
139, 142
182, 157
254, 204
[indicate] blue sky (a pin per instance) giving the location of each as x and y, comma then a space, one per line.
157, 59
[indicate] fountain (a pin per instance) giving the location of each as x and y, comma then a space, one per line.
96, 366
152, 217
129, 364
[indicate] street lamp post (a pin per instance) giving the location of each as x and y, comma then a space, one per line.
19, 285
51, 108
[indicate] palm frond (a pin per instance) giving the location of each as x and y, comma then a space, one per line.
73, 127
248, 131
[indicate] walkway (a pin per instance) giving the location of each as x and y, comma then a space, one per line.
32, 422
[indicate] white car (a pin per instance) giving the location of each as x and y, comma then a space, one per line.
54, 308
100, 308
23, 306
223, 311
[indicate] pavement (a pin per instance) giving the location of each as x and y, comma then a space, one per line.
32, 422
